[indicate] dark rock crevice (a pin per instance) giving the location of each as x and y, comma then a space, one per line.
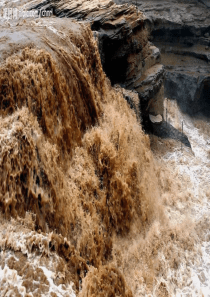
114, 56
204, 97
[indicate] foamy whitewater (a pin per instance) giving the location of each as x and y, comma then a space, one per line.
194, 276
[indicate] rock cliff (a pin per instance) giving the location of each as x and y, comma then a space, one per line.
181, 30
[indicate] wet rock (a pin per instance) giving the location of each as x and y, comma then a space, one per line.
165, 130
156, 119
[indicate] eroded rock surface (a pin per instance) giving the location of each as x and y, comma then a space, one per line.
181, 30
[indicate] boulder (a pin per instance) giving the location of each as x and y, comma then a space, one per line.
156, 119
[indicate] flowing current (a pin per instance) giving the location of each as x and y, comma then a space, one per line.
192, 167
89, 206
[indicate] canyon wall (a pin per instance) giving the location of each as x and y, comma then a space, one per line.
181, 30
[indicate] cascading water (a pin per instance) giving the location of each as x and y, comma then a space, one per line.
89, 207
76, 171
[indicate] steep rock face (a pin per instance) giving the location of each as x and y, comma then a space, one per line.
128, 58
179, 19
190, 89
181, 30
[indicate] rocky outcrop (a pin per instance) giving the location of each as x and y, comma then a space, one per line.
122, 32
178, 20
181, 30
165, 130
190, 89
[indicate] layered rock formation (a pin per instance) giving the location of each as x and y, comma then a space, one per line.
128, 58
181, 29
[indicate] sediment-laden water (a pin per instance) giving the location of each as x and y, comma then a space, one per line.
89, 207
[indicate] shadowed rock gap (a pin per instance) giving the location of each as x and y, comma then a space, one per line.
205, 98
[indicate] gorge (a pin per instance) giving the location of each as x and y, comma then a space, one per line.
102, 193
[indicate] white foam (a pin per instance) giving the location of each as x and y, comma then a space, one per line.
197, 168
